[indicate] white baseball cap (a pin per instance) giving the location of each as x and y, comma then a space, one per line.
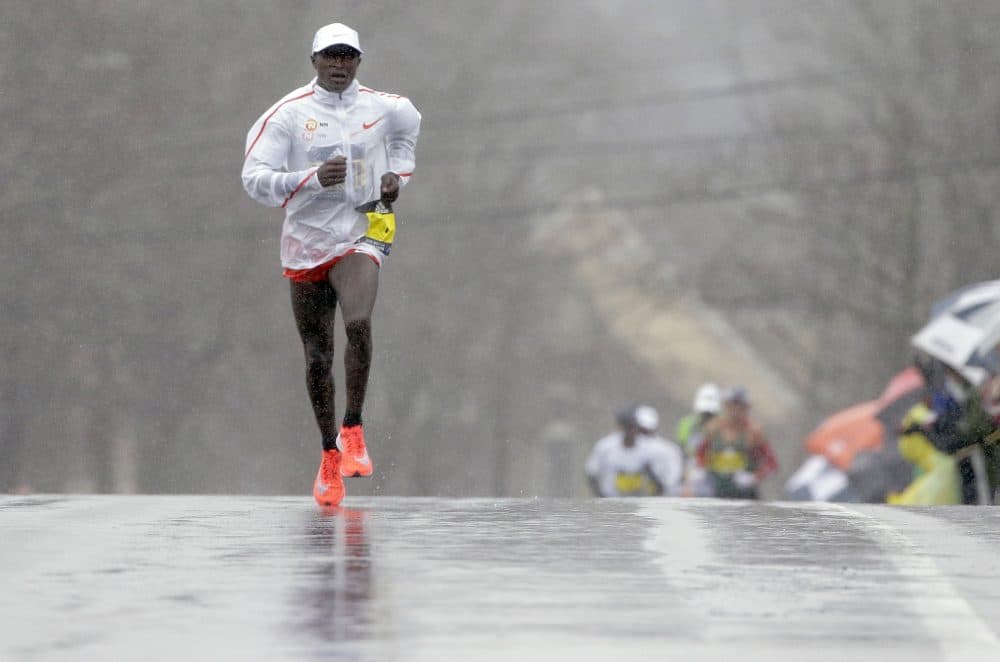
708, 399
647, 418
334, 34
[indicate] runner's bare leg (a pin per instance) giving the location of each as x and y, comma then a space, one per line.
314, 306
355, 282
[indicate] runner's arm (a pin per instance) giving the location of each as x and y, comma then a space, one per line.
666, 467
654, 477
401, 139
702, 451
264, 176
675, 473
762, 458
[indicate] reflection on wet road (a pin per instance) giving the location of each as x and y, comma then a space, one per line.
221, 578
333, 598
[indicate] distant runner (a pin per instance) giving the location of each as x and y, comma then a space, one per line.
734, 451
706, 406
635, 461
334, 155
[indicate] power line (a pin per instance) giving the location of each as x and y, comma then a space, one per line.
643, 98
728, 194
612, 103
573, 148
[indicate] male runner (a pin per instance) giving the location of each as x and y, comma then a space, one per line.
707, 403
734, 450
334, 155
635, 461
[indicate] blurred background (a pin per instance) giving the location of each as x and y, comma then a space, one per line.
613, 202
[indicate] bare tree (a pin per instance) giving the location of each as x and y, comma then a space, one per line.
900, 205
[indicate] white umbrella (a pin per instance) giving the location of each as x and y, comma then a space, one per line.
968, 296
965, 333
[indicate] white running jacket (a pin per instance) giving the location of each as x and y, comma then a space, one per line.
622, 471
376, 131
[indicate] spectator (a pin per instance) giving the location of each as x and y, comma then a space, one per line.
735, 451
963, 416
635, 461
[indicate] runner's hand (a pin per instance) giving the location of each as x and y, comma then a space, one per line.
745, 479
333, 172
390, 186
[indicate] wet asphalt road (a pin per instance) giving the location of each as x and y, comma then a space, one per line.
220, 578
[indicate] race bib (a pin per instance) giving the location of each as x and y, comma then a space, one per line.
728, 461
633, 484
381, 225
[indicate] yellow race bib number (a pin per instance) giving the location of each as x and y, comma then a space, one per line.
633, 484
381, 225
728, 461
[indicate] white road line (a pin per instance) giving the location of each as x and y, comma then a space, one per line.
896, 604
944, 613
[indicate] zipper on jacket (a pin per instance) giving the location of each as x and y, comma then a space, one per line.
345, 137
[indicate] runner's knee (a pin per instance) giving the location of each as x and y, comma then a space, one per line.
319, 356
359, 334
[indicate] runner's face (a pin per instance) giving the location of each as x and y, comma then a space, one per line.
335, 67
738, 411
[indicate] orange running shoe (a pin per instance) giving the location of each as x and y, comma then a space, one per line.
328, 490
351, 441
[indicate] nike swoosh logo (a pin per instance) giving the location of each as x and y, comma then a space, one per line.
365, 125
